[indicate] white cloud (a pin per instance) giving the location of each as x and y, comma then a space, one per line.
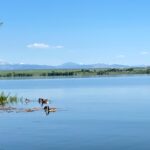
120, 56
38, 45
144, 53
21, 63
44, 46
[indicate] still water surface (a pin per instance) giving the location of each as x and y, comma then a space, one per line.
109, 113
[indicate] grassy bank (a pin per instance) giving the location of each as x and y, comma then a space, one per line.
74, 72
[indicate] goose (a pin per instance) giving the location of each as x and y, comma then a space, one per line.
43, 101
48, 109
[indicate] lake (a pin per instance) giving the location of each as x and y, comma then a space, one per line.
107, 113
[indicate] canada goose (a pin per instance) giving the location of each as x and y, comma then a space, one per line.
43, 101
48, 109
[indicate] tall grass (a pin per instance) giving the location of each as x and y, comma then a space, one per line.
8, 99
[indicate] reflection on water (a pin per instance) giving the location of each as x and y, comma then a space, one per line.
102, 114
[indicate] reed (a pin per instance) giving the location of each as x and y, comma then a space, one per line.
8, 99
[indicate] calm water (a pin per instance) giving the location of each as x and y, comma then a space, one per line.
109, 113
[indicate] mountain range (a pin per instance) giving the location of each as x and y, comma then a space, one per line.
69, 65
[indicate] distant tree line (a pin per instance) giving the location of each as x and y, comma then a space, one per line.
14, 74
77, 72
53, 73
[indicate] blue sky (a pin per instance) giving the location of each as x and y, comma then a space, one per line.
83, 31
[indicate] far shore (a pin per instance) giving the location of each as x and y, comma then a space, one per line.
73, 73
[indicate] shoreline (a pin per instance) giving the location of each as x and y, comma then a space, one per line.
73, 73
73, 77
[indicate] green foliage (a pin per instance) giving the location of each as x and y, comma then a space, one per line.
72, 72
8, 99
13, 99
3, 98
130, 69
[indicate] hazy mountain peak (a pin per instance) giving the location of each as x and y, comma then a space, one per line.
68, 65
